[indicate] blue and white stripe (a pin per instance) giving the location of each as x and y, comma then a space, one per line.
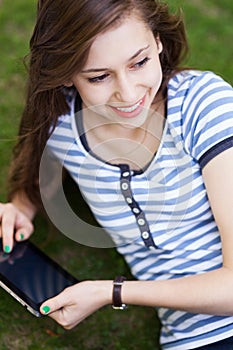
171, 194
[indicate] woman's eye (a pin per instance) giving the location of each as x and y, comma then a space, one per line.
141, 63
98, 79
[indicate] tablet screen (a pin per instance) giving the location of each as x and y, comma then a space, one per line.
31, 273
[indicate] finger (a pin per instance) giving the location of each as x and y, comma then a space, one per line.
57, 309
7, 228
24, 232
60, 316
52, 305
57, 316
52, 309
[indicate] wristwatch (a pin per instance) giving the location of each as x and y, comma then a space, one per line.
116, 295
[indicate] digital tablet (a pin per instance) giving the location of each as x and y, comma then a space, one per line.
32, 277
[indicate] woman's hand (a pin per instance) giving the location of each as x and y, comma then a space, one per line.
14, 224
77, 302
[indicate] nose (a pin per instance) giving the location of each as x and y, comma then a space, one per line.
125, 89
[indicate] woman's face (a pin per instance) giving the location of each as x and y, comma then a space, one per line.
122, 74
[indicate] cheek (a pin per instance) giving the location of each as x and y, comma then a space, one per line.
155, 76
93, 95
153, 80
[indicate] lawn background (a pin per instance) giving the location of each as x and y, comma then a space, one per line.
209, 26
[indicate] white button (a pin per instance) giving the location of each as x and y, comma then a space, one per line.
125, 174
136, 210
129, 200
145, 235
124, 186
141, 222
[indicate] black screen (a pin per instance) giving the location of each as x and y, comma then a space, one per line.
28, 271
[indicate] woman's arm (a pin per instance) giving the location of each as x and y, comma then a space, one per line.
209, 293
16, 220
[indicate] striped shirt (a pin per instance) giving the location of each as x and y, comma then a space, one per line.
160, 217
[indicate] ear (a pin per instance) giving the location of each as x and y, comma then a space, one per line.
159, 44
68, 84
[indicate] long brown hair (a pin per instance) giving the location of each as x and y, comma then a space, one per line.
59, 47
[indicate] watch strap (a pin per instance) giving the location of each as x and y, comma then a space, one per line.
116, 295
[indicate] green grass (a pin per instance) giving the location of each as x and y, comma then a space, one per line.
209, 24
209, 27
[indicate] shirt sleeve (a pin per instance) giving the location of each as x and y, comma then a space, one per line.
208, 117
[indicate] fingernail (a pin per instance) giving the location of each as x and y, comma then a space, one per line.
7, 248
21, 236
46, 309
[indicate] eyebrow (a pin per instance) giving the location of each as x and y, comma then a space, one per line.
92, 70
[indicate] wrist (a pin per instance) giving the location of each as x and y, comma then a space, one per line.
104, 291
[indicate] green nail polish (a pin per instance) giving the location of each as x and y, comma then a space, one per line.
46, 309
21, 236
7, 249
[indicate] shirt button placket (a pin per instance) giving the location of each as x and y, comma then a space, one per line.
139, 215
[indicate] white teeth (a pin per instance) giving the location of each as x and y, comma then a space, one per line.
129, 109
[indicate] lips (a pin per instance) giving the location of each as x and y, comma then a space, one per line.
130, 111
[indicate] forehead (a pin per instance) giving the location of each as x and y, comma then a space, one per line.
120, 42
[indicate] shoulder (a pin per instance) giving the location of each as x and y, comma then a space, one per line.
196, 93
202, 102
194, 81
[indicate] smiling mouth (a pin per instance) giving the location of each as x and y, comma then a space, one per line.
129, 109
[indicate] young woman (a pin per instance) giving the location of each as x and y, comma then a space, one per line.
152, 148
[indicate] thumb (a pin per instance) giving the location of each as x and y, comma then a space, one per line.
50, 305
45, 308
